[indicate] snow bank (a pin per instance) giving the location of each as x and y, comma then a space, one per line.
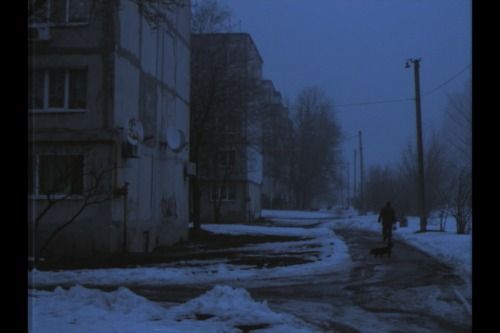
80, 309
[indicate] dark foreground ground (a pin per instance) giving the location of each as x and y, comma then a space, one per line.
410, 292
202, 246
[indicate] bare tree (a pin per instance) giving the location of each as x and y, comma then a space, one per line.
437, 177
379, 188
461, 203
317, 139
205, 77
210, 16
67, 182
156, 12
222, 115
458, 126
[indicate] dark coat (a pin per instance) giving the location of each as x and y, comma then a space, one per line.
387, 216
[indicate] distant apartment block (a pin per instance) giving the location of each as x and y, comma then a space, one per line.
277, 128
226, 76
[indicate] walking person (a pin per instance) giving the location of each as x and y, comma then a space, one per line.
388, 217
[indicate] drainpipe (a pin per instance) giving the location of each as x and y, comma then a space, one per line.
124, 192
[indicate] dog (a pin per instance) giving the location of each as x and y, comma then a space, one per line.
381, 251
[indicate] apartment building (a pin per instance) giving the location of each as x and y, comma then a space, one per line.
226, 76
108, 126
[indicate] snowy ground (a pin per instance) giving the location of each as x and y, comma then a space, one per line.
448, 247
331, 255
223, 308
220, 310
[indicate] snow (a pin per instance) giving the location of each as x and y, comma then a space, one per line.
296, 214
241, 229
448, 246
332, 255
83, 309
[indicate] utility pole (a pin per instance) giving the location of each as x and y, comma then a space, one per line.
348, 204
341, 190
420, 147
355, 187
361, 192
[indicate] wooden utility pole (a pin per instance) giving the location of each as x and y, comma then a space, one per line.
348, 199
355, 187
420, 146
361, 171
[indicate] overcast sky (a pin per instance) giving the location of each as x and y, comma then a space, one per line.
356, 51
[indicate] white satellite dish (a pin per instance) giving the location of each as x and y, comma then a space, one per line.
135, 131
176, 139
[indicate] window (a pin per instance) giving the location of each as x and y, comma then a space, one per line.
224, 193
55, 174
58, 11
58, 90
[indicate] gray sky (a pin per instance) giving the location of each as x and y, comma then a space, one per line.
356, 50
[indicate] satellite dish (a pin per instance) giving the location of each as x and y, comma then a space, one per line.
135, 131
176, 139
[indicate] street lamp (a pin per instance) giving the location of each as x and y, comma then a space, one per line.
420, 148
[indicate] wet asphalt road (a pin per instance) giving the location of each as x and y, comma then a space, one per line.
409, 292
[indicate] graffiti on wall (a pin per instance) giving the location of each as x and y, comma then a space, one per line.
169, 208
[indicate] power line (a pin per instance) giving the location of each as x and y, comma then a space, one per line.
377, 102
447, 81
407, 99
